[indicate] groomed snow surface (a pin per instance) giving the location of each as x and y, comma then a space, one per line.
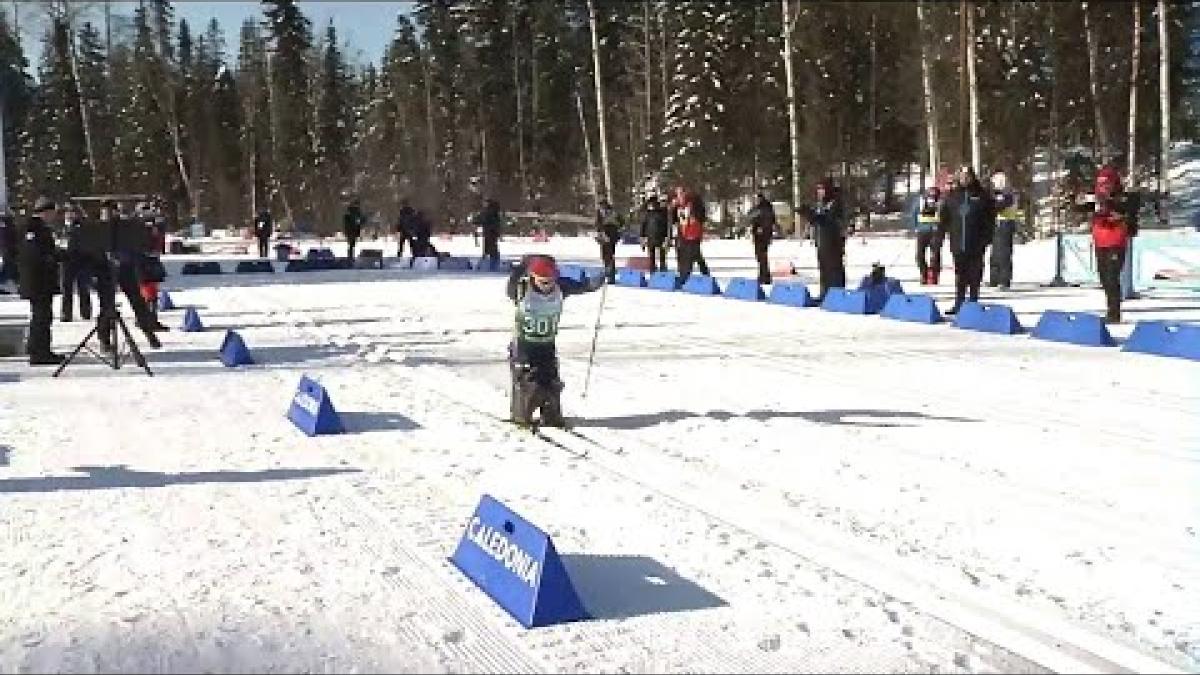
767, 489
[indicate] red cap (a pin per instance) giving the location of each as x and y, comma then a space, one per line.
543, 267
1108, 180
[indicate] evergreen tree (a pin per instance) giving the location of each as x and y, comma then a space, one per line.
16, 96
334, 125
288, 88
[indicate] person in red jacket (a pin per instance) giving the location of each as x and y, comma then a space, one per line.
1110, 234
690, 218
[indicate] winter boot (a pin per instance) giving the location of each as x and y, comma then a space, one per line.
552, 406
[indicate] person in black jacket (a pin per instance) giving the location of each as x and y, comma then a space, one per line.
826, 220
76, 278
489, 221
8, 247
656, 234
264, 227
968, 221
38, 259
536, 289
762, 231
608, 233
406, 228
352, 224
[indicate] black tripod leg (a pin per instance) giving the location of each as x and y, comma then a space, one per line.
78, 348
138, 357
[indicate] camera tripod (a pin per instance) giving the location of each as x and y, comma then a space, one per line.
116, 355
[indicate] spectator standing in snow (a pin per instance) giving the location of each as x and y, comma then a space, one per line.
352, 224
762, 231
826, 219
690, 217
929, 238
1008, 216
608, 233
489, 223
406, 228
264, 227
968, 220
656, 233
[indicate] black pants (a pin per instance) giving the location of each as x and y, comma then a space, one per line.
350, 243
929, 255
536, 386
400, 240
1109, 262
263, 245
41, 313
760, 254
1000, 264
106, 289
75, 279
968, 275
608, 254
657, 252
689, 256
831, 264
491, 251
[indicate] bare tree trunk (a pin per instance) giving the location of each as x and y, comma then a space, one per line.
931, 126
1164, 105
594, 23
964, 141
1131, 158
534, 76
1089, 32
587, 151
663, 80
973, 84
793, 120
649, 67
872, 119
520, 108
3, 177
431, 137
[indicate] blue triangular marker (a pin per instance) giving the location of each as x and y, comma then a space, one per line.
191, 321
234, 351
165, 303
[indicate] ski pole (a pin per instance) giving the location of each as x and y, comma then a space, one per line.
595, 335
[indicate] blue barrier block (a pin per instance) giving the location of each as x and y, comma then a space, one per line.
312, 411
701, 284
890, 286
1076, 328
234, 351
191, 321
792, 295
593, 272
664, 281
915, 308
628, 277
165, 303
573, 272
847, 302
254, 267
631, 240
988, 318
457, 264
298, 265
206, 267
517, 566
1165, 338
744, 289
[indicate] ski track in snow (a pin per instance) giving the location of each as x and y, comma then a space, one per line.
764, 461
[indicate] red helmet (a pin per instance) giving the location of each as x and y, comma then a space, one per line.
544, 267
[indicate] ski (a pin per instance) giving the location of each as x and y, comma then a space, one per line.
541, 433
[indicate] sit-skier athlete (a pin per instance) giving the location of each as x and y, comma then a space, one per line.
538, 292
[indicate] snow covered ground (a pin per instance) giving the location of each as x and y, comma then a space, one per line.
767, 489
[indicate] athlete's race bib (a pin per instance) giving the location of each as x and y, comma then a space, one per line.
538, 314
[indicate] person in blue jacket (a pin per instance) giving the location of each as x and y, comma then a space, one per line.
536, 289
